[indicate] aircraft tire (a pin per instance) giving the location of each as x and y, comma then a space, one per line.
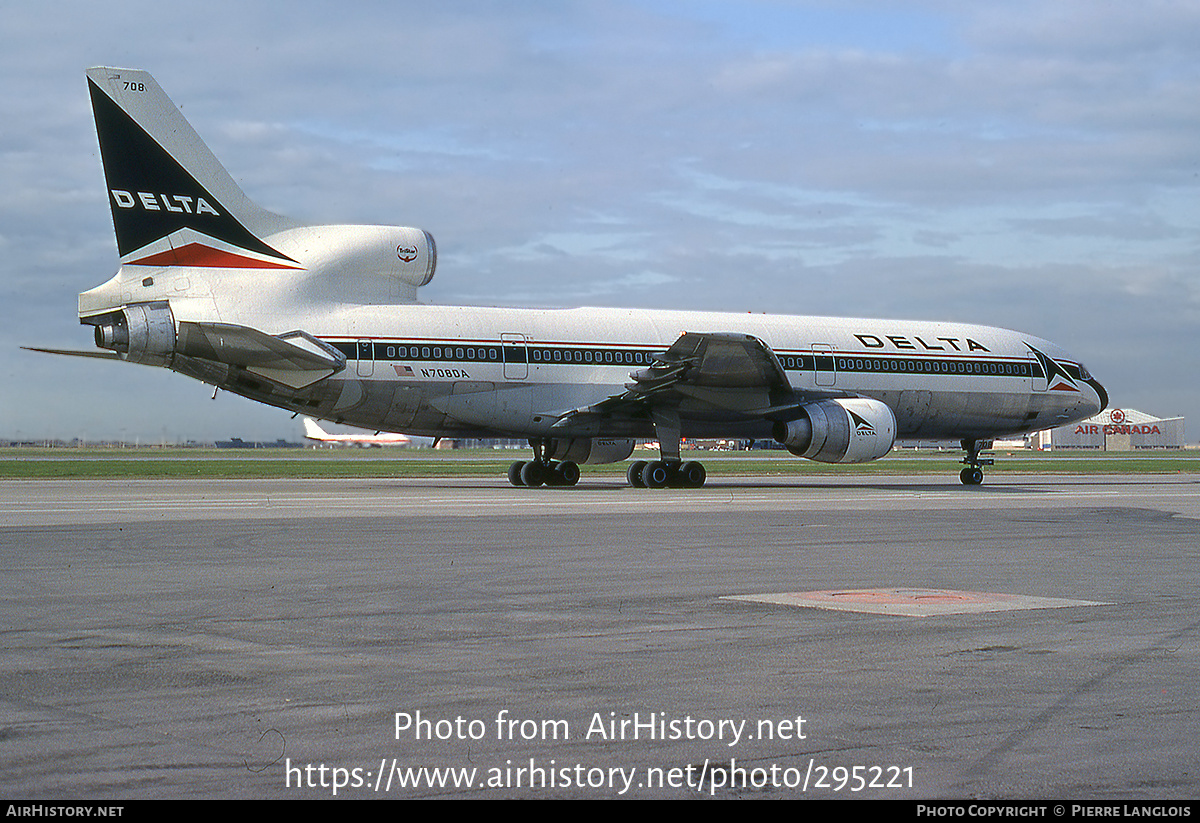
566, 473
692, 475
971, 476
532, 474
514, 473
656, 475
634, 474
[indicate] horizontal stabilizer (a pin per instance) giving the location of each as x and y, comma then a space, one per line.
295, 359
103, 354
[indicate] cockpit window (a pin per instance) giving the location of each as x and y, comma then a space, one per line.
1084, 374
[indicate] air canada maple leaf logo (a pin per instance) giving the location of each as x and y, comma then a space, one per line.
1057, 378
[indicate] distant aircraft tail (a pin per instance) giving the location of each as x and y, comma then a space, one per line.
313, 431
173, 203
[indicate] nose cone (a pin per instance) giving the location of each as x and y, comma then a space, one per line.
1101, 396
1078, 394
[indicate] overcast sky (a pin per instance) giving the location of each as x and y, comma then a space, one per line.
1032, 165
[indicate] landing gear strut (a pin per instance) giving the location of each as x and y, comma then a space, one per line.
542, 470
972, 475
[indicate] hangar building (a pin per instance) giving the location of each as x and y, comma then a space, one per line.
1115, 430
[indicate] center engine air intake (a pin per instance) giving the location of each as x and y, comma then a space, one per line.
406, 254
845, 430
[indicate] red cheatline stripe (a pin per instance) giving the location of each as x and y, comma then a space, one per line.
196, 254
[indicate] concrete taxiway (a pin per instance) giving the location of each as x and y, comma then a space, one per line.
463, 638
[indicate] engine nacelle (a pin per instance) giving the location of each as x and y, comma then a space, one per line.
845, 430
592, 450
405, 254
142, 332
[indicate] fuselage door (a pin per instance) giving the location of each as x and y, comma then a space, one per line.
366, 358
1038, 373
516, 356
824, 372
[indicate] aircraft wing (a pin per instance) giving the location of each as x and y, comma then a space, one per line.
711, 374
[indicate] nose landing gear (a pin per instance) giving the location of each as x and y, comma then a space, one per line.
972, 475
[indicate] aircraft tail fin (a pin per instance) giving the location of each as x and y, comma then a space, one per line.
313, 431
172, 201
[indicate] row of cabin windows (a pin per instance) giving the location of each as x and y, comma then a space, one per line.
589, 356
934, 367
512, 354
608, 356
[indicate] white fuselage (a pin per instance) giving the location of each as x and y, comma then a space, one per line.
513, 371
446, 370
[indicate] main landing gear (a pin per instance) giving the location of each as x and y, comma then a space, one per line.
972, 475
670, 471
660, 474
667, 472
542, 471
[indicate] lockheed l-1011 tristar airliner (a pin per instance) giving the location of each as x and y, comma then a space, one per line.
324, 321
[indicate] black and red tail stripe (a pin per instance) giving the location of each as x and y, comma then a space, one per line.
153, 197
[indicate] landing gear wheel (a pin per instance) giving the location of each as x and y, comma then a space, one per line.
514, 473
566, 473
634, 474
542, 470
692, 475
533, 474
657, 475
971, 476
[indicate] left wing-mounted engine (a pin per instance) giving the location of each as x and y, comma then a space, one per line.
840, 430
738, 377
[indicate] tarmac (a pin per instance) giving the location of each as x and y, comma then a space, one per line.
299, 639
